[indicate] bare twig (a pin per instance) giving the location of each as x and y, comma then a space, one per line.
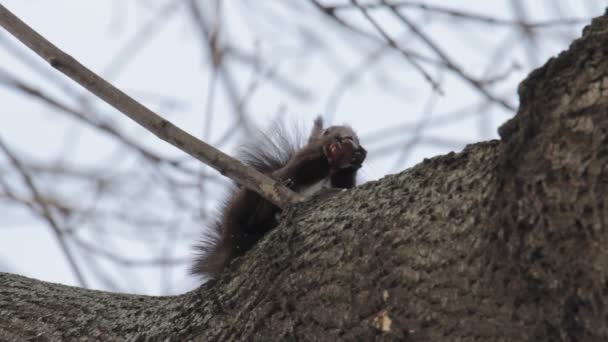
210, 36
45, 212
396, 46
128, 262
226, 165
485, 19
448, 61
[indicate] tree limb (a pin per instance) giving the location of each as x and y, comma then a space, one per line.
226, 165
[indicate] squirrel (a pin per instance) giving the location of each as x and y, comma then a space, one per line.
330, 158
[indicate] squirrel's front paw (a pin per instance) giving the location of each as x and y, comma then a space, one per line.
358, 157
344, 153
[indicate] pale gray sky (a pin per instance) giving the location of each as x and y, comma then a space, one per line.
167, 70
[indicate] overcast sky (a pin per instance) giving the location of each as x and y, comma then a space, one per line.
167, 70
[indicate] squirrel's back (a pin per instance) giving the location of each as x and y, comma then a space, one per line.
332, 155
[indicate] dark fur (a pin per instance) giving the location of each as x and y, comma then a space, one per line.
246, 216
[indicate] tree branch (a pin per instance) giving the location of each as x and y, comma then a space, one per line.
45, 213
165, 130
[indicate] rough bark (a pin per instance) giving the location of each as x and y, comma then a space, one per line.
504, 242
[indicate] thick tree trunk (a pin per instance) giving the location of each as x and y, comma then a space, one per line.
505, 241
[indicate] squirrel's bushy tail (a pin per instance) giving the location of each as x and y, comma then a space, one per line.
266, 152
213, 252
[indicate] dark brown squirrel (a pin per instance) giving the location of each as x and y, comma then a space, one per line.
331, 157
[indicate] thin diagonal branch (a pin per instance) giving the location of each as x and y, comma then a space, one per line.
448, 61
167, 131
396, 46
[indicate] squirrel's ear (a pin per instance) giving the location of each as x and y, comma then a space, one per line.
317, 129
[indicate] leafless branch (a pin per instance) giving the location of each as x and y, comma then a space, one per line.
44, 211
279, 195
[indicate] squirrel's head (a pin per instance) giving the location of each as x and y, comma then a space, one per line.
341, 145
